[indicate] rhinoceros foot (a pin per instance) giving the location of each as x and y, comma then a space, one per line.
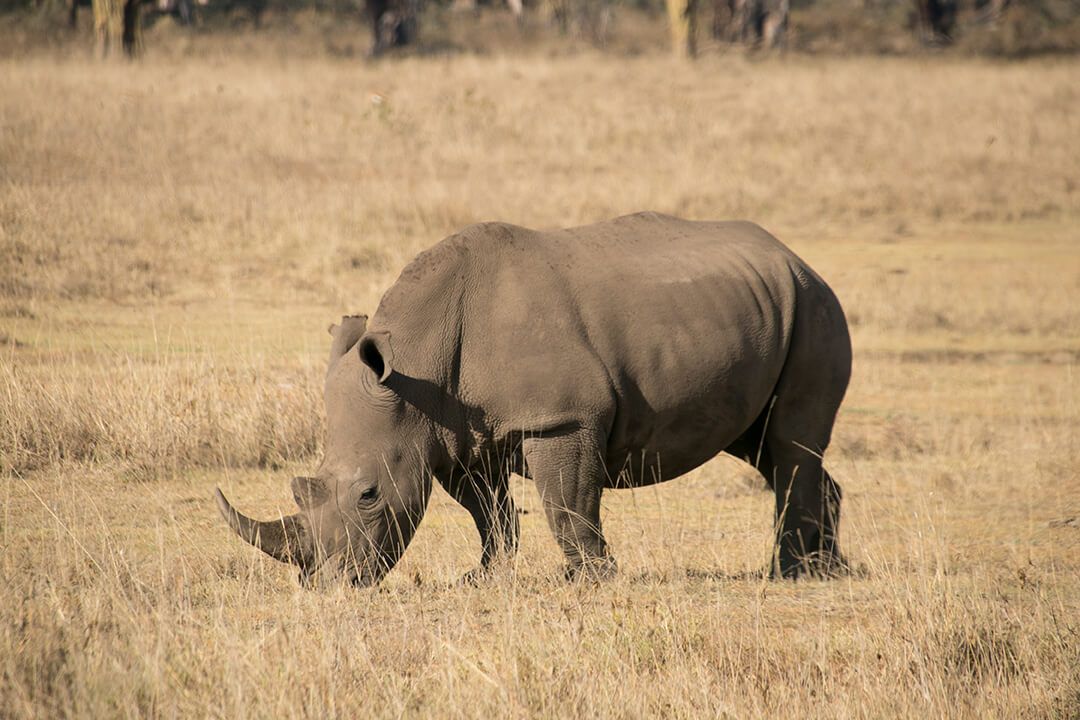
819, 565
476, 577
592, 570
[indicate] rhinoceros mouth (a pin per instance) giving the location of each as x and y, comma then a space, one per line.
365, 578
359, 560
365, 573
343, 568
328, 575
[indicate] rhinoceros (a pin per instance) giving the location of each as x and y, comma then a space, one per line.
614, 355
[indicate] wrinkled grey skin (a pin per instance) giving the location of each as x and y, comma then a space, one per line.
613, 355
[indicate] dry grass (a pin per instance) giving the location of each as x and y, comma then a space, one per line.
340, 30
174, 240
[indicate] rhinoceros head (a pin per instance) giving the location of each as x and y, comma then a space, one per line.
361, 508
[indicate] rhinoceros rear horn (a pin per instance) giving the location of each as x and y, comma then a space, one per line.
346, 334
286, 539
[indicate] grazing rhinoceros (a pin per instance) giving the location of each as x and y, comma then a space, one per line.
613, 355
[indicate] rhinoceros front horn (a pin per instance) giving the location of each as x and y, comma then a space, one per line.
286, 539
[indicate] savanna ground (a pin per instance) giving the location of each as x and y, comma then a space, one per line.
175, 237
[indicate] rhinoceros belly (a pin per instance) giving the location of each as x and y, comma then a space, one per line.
693, 365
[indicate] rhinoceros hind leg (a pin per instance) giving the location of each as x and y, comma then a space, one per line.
807, 497
807, 518
797, 432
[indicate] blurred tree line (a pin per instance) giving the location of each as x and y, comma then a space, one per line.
1025, 25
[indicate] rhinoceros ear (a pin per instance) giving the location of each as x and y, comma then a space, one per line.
375, 352
346, 334
309, 492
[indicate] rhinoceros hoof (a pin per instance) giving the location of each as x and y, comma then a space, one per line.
476, 576
820, 566
592, 570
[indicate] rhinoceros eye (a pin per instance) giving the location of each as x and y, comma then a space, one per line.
369, 494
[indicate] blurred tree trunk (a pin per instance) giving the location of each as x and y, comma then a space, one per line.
935, 21
990, 11
589, 19
774, 20
393, 22
682, 15
118, 27
758, 23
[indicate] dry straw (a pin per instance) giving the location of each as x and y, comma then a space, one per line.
175, 238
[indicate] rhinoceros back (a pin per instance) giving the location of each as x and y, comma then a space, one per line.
670, 334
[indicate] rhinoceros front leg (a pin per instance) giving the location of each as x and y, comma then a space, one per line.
488, 499
569, 474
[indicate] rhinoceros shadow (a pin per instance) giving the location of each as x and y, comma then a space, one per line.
860, 572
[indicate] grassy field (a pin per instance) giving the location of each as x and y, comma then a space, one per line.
175, 237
